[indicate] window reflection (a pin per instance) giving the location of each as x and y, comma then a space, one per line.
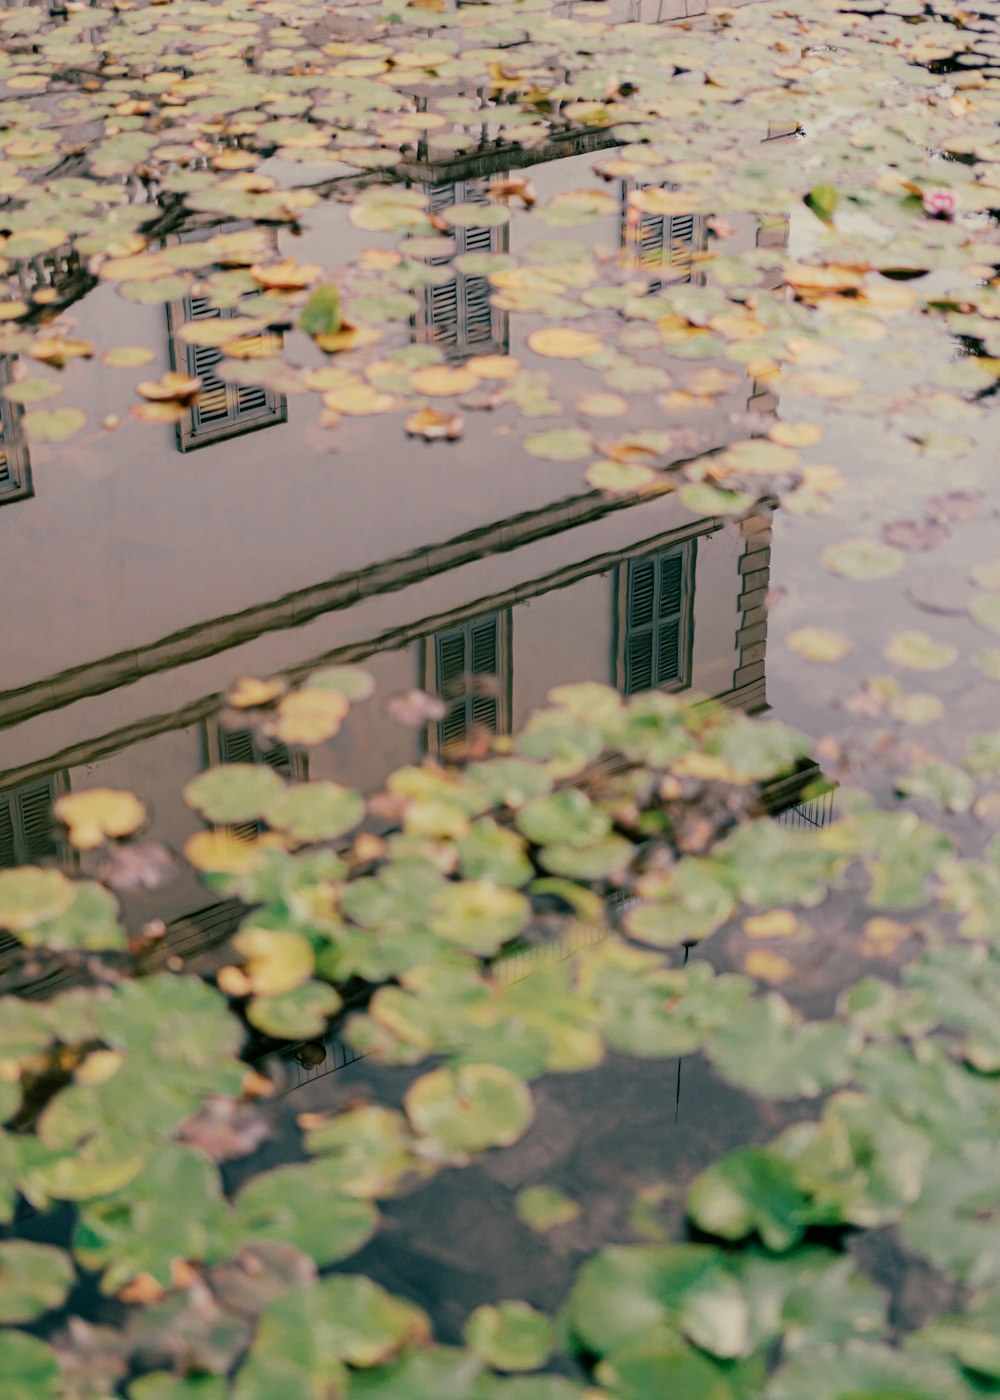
15, 467
456, 315
470, 672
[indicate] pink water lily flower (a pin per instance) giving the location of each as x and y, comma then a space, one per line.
940, 204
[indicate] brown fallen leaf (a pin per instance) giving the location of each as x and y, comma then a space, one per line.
172, 387
433, 425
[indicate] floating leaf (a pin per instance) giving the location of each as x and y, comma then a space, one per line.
33, 1279
823, 201
476, 215
316, 811
310, 716
30, 895
562, 343
817, 644
919, 652
442, 381
234, 792
322, 314
299, 1014
544, 1208
862, 559
470, 1108
986, 611
619, 478
53, 424
511, 1336
560, 444
97, 813
276, 960
30, 1369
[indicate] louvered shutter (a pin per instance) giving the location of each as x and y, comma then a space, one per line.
452, 667
654, 620
237, 746
278, 758
36, 821
443, 316
668, 661
484, 648
650, 240
8, 848
681, 242
213, 406
460, 318
221, 406
465, 654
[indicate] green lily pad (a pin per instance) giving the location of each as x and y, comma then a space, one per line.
299, 1205
299, 1014
512, 1336
560, 444
33, 1279
30, 895
316, 811
750, 1192
353, 682
470, 1108
234, 792
53, 424
478, 915
322, 314
863, 559
765, 1047
544, 1208
29, 1368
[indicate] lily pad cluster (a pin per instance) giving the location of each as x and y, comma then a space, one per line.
173, 151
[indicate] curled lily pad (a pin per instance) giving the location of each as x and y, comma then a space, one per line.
277, 960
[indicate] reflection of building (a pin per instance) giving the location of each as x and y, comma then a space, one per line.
468, 569
456, 314
15, 470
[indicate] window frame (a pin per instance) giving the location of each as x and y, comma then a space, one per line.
428, 672
688, 549
190, 436
633, 240
16, 481
439, 197
56, 785
215, 737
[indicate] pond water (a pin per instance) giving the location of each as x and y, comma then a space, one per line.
613, 390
